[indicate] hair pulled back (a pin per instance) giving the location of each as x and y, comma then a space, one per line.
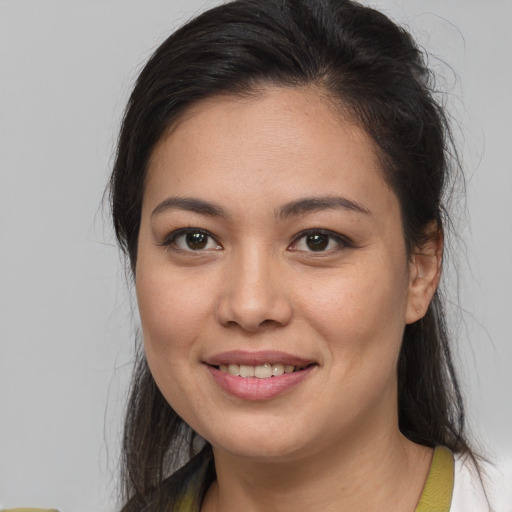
375, 73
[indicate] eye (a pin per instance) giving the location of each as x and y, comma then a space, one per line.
319, 240
191, 239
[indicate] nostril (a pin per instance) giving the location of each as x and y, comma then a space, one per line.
252, 311
254, 327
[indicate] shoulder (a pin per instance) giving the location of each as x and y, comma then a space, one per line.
487, 491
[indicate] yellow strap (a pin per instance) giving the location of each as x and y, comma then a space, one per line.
186, 503
438, 490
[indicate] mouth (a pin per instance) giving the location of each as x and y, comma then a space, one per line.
259, 375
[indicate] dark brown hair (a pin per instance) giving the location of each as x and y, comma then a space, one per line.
374, 71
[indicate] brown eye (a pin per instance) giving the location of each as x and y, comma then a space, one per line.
190, 240
317, 242
196, 241
320, 241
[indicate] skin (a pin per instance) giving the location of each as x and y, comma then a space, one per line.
331, 442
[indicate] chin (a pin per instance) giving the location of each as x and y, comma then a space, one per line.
268, 443
259, 450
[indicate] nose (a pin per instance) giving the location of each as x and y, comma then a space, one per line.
254, 294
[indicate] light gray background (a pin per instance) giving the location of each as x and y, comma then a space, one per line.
66, 68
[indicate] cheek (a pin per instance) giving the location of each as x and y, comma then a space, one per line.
171, 311
360, 312
171, 319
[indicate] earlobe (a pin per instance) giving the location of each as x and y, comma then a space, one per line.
424, 274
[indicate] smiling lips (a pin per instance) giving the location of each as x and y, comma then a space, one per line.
250, 377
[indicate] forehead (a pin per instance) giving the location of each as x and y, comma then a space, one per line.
279, 143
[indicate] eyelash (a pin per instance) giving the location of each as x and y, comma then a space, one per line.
342, 242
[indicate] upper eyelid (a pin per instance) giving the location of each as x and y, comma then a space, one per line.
323, 231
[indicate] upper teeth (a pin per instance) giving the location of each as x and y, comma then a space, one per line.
261, 371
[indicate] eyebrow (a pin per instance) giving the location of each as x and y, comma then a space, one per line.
313, 204
189, 204
294, 208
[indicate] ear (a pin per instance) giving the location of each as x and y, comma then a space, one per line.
424, 273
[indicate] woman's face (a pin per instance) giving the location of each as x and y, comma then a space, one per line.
270, 244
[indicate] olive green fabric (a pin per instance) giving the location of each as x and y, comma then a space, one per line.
438, 490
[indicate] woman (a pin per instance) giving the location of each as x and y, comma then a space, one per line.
279, 190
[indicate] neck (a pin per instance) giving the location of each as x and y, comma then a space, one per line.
384, 473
